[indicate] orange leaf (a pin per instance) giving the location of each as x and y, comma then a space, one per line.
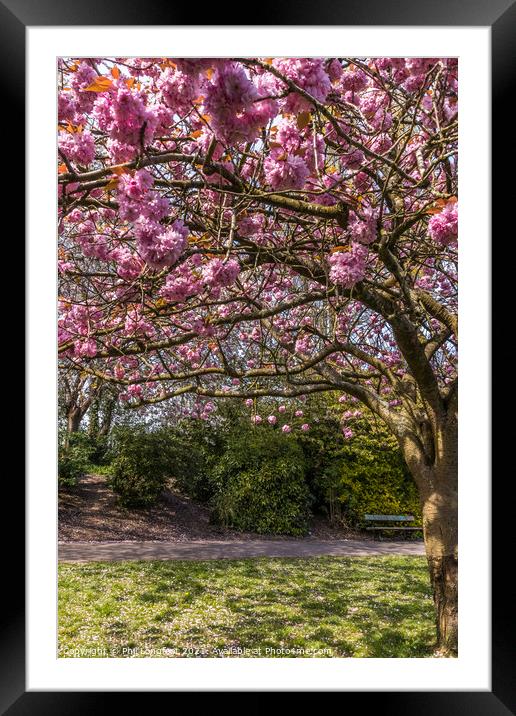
209, 72
303, 120
130, 82
112, 184
115, 71
439, 205
61, 169
196, 134
339, 248
99, 84
121, 170
73, 128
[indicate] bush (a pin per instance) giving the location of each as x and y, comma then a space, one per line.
140, 466
99, 449
260, 483
193, 448
366, 474
73, 460
377, 482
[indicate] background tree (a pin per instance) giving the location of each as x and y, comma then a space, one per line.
272, 227
76, 394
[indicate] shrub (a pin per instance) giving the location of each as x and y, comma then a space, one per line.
193, 448
261, 484
366, 474
384, 490
99, 449
70, 467
140, 466
73, 460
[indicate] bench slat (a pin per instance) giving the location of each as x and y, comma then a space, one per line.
389, 518
393, 528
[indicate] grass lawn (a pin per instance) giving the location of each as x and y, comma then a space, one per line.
324, 606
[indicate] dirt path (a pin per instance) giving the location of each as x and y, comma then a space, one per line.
90, 513
212, 549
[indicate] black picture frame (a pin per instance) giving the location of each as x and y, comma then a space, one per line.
500, 16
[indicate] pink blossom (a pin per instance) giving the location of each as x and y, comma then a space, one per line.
218, 272
77, 146
286, 429
353, 79
363, 229
444, 227
178, 90
310, 74
305, 427
86, 348
282, 409
165, 249
348, 267
284, 171
272, 419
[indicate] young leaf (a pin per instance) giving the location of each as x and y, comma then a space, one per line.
100, 84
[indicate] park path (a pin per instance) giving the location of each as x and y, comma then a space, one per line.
212, 549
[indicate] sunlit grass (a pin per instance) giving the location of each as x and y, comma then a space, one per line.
324, 607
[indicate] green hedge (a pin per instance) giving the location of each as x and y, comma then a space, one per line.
261, 484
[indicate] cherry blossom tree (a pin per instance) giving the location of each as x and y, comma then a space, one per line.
271, 227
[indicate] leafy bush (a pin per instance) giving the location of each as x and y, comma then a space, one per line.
99, 447
260, 483
375, 479
193, 448
364, 475
73, 460
140, 466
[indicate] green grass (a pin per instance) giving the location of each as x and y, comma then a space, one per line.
350, 607
92, 469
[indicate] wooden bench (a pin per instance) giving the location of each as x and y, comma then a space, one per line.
389, 519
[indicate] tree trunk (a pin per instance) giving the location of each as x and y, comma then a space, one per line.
74, 421
436, 478
107, 418
443, 575
440, 529
74, 418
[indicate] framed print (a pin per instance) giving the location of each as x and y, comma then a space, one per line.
258, 227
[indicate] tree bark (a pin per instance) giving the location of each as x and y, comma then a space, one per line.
440, 528
74, 418
437, 479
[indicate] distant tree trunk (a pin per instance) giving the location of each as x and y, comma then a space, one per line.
107, 418
73, 423
93, 418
